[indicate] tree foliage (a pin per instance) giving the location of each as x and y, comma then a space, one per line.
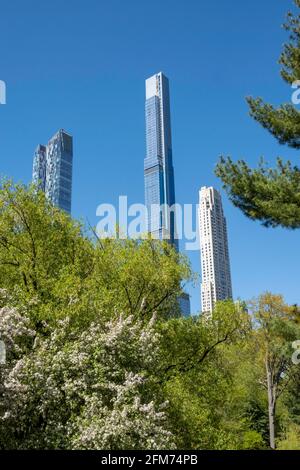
99, 357
278, 328
271, 195
50, 260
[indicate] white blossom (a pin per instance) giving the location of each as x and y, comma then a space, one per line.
81, 390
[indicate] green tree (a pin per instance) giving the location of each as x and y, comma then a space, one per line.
98, 355
271, 195
55, 267
291, 440
195, 380
40, 246
277, 328
292, 398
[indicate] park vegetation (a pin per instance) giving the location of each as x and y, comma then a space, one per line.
99, 357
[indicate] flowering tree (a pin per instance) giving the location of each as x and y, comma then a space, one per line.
81, 390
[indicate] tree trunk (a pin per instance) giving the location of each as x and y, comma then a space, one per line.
272, 425
271, 405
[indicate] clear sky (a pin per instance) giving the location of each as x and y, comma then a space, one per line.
81, 65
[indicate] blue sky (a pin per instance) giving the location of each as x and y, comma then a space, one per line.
81, 65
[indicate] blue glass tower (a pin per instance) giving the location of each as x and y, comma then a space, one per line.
158, 164
52, 169
39, 167
158, 168
59, 170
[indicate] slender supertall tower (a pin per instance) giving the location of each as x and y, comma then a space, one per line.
52, 169
158, 164
215, 265
158, 168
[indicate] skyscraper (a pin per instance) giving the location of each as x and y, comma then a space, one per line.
158, 164
158, 168
52, 169
39, 167
215, 265
184, 304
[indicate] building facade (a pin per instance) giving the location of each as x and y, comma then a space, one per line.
184, 304
52, 169
39, 167
158, 163
215, 264
158, 168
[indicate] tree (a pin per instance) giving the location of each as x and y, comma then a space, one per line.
98, 357
40, 246
138, 277
76, 316
292, 398
81, 389
277, 328
56, 268
271, 195
227, 323
113, 385
292, 440
194, 380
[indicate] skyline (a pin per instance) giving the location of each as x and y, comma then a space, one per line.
102, 106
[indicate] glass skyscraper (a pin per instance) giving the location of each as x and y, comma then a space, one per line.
158, 164
39, 167
158, 168
52, 169
184, 304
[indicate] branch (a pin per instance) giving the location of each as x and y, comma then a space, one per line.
183, 367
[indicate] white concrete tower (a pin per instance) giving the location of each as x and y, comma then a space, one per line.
215, 265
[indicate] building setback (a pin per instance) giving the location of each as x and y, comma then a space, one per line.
52, 169
215, 265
